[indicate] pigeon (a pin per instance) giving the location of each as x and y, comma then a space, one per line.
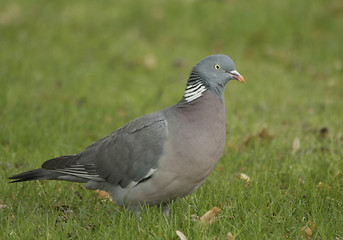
159, 157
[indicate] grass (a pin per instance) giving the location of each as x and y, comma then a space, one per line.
74, 71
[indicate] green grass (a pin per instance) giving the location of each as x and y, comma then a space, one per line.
72, 72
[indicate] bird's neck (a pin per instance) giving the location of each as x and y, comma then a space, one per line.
194, 89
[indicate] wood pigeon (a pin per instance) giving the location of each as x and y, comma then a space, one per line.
161, 156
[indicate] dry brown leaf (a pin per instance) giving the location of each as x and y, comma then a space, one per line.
307, 232
264, 134
210, 216
103, 194
246, 139
181, 235
229, 236
244, 177
220, 169
295, 145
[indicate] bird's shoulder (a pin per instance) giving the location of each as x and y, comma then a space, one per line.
150, 121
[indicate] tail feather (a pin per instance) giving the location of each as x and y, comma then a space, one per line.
61, 168
36, 174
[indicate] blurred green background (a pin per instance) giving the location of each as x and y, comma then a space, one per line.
72, 72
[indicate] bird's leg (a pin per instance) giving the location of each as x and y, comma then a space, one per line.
137, 212
165, 210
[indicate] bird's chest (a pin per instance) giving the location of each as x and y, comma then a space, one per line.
202, 142
200, 138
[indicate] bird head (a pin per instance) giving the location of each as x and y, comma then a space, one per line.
217, 70
213, 72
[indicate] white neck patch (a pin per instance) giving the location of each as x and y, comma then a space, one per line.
194, 91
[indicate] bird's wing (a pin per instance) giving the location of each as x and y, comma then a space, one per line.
126, 157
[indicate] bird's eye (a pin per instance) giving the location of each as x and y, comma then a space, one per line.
217, 66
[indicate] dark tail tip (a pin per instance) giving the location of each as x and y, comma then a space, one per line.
35, 174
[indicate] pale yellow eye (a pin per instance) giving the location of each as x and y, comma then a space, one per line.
217, 66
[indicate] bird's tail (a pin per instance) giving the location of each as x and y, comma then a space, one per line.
36, 174
61, 168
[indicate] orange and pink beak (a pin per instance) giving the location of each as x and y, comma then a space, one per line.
237, 76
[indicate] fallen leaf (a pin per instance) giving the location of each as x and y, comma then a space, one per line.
220, 169
181, 235
209, 217
246, 139
264, 134
307, 232
103, 194
244, 177
296, 145
229, 236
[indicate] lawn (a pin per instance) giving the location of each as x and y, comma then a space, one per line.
72, 72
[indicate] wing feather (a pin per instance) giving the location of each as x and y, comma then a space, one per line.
129, 154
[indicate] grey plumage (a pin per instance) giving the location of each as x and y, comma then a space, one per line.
158, 157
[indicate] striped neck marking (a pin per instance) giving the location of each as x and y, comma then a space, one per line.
194, 91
